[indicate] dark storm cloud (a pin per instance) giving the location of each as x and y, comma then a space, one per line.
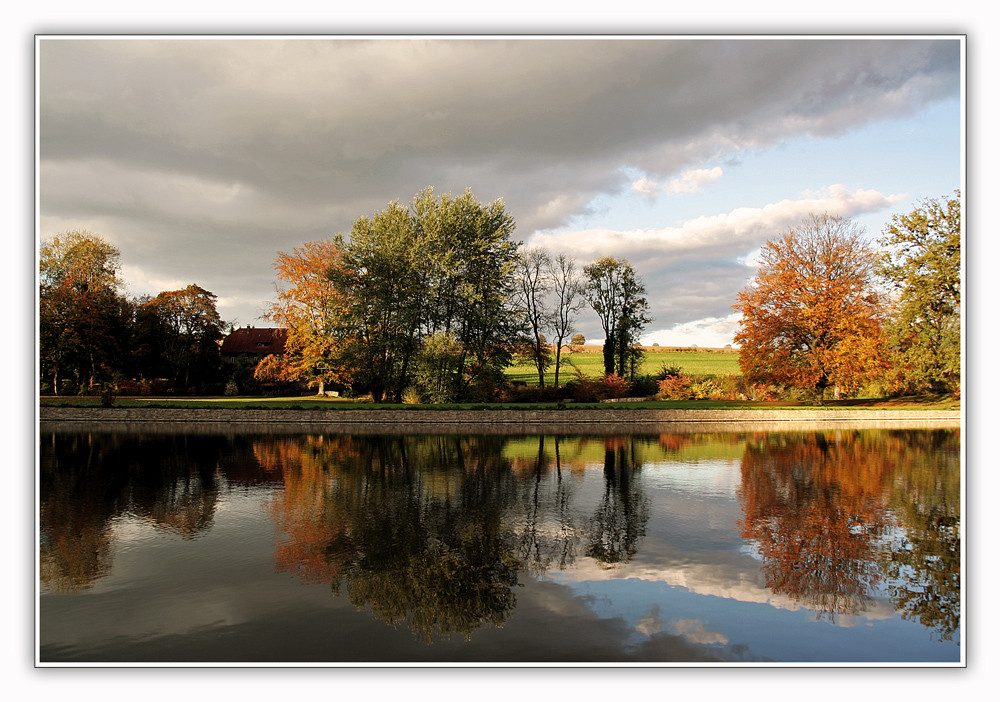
210, 156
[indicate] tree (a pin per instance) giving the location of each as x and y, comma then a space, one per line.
191, 331
567, 287
311, 307
813, 314
473, 284
619, 298
436, 375
533, 284
578, 340
443, 265
83, 318
79, 259
385, 288
924, 267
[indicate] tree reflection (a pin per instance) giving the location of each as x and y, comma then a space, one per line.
620, 520
925, 566
814, 506
824, 511
89, 480
411, 528
433, 532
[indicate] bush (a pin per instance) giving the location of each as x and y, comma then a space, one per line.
128, 387
675, 387
231, 389
668, 372
644, 386
607, 388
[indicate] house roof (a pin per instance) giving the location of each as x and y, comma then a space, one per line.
255, 340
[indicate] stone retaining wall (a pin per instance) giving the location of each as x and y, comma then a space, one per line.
530, 421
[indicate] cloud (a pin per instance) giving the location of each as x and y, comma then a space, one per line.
693, 181
694, 631
205, 157
645, 187
711, 332
693, 271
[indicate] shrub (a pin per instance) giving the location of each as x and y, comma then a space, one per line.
668, 372
231, 389
613, 386
644, 386
675, 387
128, 387
107, 396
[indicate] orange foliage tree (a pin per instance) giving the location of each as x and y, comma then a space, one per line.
310, 307
813, 315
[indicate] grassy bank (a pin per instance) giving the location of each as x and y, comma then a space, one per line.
329, 403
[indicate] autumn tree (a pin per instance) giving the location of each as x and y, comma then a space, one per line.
619, 298
79, 259
311, 307
924, 266
190, 331
813, 314
83, 317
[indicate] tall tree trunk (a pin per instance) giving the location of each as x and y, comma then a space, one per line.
609, 354
555, 381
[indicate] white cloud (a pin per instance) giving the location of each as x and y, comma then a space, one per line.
711, 332
739, 231
692, 181
694, 631
646, 187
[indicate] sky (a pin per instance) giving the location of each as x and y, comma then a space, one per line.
202, 158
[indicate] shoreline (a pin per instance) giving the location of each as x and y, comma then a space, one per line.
131, 419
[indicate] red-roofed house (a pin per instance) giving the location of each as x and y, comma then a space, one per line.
253, 342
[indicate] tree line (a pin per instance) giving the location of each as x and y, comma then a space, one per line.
91, 335
434, 300
828, 311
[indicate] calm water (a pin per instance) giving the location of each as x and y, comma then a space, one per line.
839, 546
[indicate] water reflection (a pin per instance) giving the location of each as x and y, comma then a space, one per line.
835, 516
437, 533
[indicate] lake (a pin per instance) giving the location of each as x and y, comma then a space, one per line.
838, 546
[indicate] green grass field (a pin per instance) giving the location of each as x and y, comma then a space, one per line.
590, 361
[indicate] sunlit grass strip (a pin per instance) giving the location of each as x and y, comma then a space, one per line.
334, 404
591, 363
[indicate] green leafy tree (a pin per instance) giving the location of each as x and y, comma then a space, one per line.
924, 266
385, 288
437, 373
619, 298
443, 265
473, 283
